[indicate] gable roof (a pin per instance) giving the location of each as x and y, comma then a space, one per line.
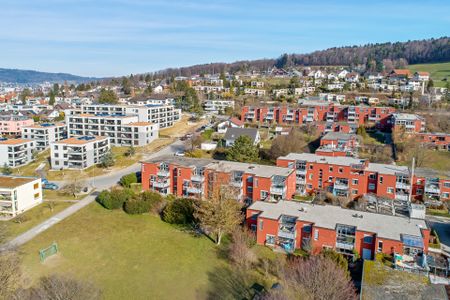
233, 134
236, 121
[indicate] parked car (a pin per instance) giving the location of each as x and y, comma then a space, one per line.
179, 153
50, 186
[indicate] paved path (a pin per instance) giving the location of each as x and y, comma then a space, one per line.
99, 183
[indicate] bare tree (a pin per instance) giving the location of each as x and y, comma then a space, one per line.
73, 186
285, 144
317, 277
10, 273
240, 252
218, 216
58, 287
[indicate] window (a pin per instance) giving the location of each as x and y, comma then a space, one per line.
254, 216
36, 195
419, 192
330, 178
316, 234
390, 190
447, 184
261, 224
311, 167
371, 186
341, 170
381, 179
331, 169
36, 186
309, 186
380, 246
310, 176
445, 195
354, 192
264, 194
270, 239
355, 181
368, 239
253, 227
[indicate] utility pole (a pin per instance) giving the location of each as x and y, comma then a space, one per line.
411, 180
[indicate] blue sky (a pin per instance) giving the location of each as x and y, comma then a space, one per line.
118, 37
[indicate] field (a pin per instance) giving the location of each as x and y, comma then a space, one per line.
128, 257
437, 71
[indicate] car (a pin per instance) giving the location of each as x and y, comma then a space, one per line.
50, 186
179, 153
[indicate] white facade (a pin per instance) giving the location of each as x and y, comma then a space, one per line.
19, 194
78, 152
16, 152
254, 92
121, 129
44, 134
216, 106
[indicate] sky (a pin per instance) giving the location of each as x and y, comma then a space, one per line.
119, 37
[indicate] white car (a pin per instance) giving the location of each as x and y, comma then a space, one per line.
179, 153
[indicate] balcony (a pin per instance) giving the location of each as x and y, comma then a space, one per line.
300, 171
340, 185
237, 183
401, 197
194, 190
432, 189
373, 118
402, 185
161, 184
288, 234
163, 173
197, 178
278, 190
345, 245
300, 180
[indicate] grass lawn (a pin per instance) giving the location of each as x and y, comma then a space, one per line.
128, 257
33, 217
438, 212
437, 71
29, 169
182, 127
51, 195
438, 160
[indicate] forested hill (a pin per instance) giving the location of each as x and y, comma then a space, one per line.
374, 56
34, 77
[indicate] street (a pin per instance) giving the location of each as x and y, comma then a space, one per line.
99, 183
442, 228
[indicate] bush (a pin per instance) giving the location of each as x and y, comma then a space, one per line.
179, 211
144, 203
129, 179
114, 199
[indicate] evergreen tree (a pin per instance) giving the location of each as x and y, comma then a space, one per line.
243, 150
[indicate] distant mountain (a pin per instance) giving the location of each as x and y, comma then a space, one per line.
374, 56
35, 77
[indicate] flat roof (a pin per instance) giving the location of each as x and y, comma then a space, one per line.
14, 141
138, 124
328, 216
80, 140
11, 182
45, 125
311, 157
338, 136
388, 169
403, 116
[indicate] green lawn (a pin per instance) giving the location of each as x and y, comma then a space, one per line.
437, 71
129, 257
33, 217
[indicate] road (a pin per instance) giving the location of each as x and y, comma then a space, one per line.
99, 183
442, 227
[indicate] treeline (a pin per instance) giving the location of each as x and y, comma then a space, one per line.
371, 55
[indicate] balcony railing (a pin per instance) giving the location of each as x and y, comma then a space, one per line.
402, 185
278, 190
194, 190
286, 234
346, 246
434, 189
401, 197
163, 173
237, 183
300, 171
340, 186
198, 178
161, 184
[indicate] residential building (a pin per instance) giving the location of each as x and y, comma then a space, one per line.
123, 130
12, 124
16, 152
338, 144
18, 194
291, 225
254, 92
431, 186
232, 134
232, 122
44, 134
78, 152
411, 123
205, 178
438, 140
217, 106
421, 76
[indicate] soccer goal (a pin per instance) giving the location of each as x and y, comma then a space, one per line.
47, 252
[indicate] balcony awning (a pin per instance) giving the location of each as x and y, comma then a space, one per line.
412, 241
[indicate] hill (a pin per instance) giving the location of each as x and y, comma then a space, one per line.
34, 77
438, 72
372, 56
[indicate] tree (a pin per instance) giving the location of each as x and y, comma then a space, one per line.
195, 141
51, 100
107, 160
10, 273
361, 131
430, 84
218, 216
63, 287
243, 150
316, 277
107, 97
148, 90
6, 170
180, 211
73, 187
131, 151
126, 86
56, 89
240, 252
25, 94
143, 203
128, 180
285, 144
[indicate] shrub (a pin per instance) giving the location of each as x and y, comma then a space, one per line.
144, 203
136, 206
114, 199
179, 211
129, 179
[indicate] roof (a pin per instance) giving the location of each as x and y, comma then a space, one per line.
223, 166
14, 141
338, 136
236, 121
11, 182
422, 73
328, 216
233, 134
45, 125
388, 169
401, 72
431, 173
138, 124
80, 140
403, 116
310, 157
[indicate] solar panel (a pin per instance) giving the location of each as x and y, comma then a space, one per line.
412, 241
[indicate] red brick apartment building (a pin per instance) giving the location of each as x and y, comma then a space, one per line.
338, 144
319, 111
441, 141
291, 225
409, 122
204, 178
352, 177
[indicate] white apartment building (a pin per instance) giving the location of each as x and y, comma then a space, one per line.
122, 130
78, 152
163, 115
216, 106
16, 152
19, 194
44, 134
254, 92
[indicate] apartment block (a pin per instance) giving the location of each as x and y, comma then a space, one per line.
162, 115
216, 106
440, 141
16, 152
431, 186
122, 130
18, 194
411, 123
290, 225
44, 134
205, 178
12, 124
78, 152
338, 144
